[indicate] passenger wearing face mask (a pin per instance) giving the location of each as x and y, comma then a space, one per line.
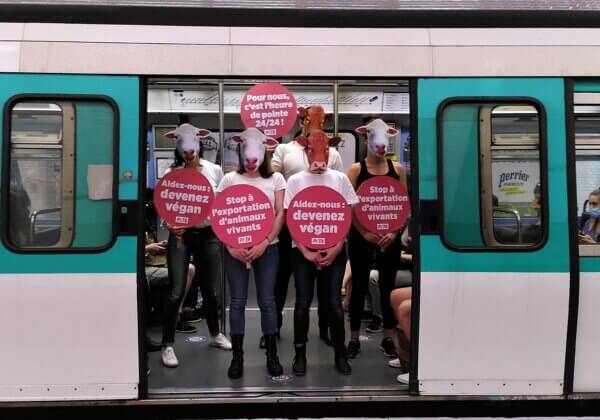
533, 234
263, 258
590, 231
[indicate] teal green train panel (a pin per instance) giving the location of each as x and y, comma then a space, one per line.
549, 92
95, 121
94, 147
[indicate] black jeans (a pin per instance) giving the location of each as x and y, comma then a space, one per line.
283, 280
330, 279
205, 247
363, 256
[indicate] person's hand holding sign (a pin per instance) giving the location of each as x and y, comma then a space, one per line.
327, 256
256, 251
387, 239
175, 230
240, 254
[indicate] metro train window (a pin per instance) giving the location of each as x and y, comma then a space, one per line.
490, 180
587, 152
61, 169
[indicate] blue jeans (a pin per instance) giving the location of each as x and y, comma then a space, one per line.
265, 272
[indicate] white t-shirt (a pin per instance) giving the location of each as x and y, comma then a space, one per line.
292, 159
332, 179
267, 185
213, 174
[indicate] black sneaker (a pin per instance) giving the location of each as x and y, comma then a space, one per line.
375, 326
388, 347
353, 349
185, 327
192, 316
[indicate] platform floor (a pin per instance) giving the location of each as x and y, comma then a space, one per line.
203, 369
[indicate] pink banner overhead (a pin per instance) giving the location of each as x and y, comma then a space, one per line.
270, 107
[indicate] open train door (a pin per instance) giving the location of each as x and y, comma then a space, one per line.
68, 258
494, 244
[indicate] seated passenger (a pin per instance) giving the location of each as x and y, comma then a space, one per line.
403, 279
532, 234
590, 231
156, 271
401, 300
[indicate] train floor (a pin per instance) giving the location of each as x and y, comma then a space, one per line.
202, 370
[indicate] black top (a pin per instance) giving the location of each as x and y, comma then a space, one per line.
365, 174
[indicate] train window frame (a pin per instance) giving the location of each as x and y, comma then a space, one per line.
584, 146
542, 127
6, 160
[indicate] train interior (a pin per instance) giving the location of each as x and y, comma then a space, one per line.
507, 134
203, 369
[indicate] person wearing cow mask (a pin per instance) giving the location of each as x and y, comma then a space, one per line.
255, 170
327, 265
199, 241
366, 248
290, 159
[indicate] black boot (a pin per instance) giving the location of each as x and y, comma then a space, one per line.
236, 368
273, 365
299, 365
341, 360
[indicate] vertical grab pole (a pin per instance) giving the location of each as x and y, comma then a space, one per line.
336, 90
222, 157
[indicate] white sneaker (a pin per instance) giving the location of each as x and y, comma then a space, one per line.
219, 341
394, 363
168, 357
402, 378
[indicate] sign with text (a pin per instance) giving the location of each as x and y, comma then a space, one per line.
383, 205
318, 217
183, 197
270, 107
242, 216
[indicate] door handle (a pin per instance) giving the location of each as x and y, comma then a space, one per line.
430, 216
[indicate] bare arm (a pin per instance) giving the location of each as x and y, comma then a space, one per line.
353, 174
401, 173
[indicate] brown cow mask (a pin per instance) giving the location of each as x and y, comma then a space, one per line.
317, 148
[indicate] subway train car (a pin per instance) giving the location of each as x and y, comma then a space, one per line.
499, 119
